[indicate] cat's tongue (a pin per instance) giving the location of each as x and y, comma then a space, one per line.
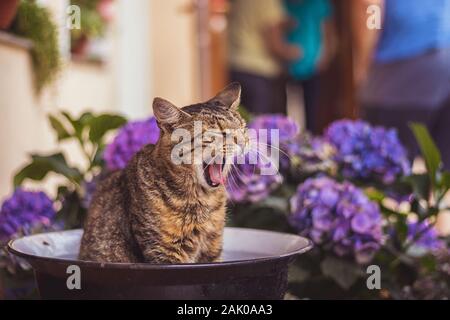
215, 173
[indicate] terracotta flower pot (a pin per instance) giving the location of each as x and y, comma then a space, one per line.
8, 9
80, 46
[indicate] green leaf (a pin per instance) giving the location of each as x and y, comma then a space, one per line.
429, 262
428, 148
101, 124
375, 194
72, 212
444, 181
85, 118
420, 184
401, 228
98, 157
61, 131
34, 171
76, 124
40, 166
342, 271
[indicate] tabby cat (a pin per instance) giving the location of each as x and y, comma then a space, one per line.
157, 211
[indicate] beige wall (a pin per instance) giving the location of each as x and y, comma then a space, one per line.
174, 51
23, 125
172, 70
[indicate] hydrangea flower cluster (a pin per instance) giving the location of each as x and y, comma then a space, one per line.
23, 211
246, 182
367, 152
337, 216
424, 236
308, 154
287, 128
129, 140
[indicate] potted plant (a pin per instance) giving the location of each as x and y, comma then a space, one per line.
96, 15
8, 9
67, 210
34, 22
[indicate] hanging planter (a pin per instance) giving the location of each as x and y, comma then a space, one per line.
34, 22
80, 46
8, 9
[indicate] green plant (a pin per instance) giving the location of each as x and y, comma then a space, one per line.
34, 22
89, 131
92, 24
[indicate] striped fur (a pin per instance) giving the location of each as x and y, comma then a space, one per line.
158, 212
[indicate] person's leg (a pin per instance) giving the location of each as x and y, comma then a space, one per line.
310, 94
400, 118
256, 94
279, 104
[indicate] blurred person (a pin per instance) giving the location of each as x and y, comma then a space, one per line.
312, 29
257, 51
409, 78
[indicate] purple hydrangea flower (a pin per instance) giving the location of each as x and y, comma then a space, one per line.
338, 217
129, 140
366, 152
23, 211
308, 154
89, 190
424, 236
246, 183
287, 128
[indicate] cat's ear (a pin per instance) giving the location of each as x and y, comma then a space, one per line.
167, 114
230, 96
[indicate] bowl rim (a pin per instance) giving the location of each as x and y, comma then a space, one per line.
153, 266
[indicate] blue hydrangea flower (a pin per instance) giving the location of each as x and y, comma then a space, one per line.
366, 152
424, 236
338, 217
23, 211
129, 140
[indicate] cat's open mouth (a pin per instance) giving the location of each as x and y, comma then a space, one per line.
214, 174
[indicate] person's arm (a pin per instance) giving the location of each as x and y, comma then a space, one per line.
364, 39
273, 26
274, 36
329, 44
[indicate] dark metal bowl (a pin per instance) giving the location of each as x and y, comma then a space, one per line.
254, 266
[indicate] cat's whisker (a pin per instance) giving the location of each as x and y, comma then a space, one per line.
206, 166
267, 159
257, 146
237, 169
274, 147
232, 187
260, 153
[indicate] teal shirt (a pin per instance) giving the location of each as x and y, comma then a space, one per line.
308, 34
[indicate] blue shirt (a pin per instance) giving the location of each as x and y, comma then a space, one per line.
308, 34
412, 28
